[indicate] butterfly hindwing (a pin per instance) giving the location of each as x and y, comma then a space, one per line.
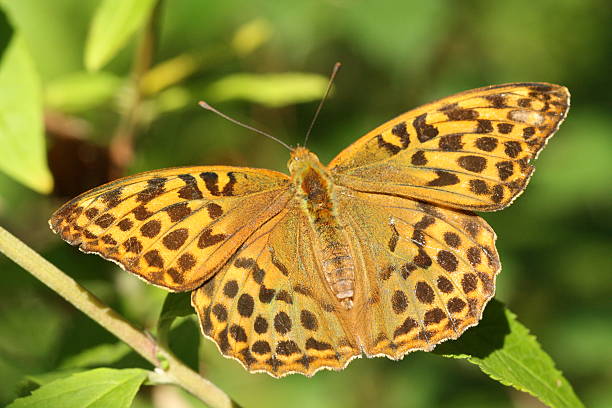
173, 227
268, 306
470, 151
426, 272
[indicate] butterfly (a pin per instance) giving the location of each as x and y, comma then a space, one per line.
377, 253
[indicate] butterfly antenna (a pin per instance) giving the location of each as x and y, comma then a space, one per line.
261, 132
329, 84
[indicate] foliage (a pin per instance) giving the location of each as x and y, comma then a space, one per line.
102, 79
99, 388
504, 350
21, 128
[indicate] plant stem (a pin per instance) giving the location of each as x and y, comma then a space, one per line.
121, 145
88, 303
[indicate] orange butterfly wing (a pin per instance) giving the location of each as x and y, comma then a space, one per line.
425, 272
471, 150
173, 227
268, 307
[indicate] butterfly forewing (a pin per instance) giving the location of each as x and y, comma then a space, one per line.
470, 151
268, 308
173, 227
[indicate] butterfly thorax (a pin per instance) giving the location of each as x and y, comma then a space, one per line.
315, 194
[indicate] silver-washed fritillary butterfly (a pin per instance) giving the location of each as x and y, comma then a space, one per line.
377, 253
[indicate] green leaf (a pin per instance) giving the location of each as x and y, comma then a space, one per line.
175, 305
23, 312
81, 91
273, 90
22, 141
171, 99
251, 36
99, 388
113, 24
34, 381
504, 350
6, 32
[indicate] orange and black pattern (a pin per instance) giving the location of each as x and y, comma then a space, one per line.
377, 253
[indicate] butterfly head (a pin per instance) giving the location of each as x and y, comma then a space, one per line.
311, 181
301, 160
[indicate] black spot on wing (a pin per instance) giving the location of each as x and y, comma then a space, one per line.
444, 179
424, 131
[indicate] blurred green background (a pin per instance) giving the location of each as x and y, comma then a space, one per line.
266, 63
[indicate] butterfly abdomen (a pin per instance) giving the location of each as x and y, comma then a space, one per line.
316, 196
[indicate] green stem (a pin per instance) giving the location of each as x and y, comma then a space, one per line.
88, 303
121, 146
